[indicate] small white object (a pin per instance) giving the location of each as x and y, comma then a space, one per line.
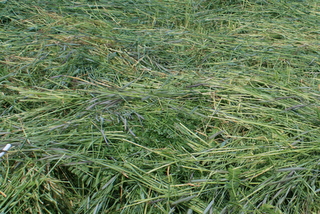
5, 149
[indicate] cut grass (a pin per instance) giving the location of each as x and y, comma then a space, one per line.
160, 106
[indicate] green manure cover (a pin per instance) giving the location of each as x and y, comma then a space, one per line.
159, 106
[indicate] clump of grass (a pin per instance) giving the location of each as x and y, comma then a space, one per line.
159, 107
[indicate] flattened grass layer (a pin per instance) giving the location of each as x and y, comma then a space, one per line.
160, 106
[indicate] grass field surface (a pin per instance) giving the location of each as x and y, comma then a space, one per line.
160, 106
